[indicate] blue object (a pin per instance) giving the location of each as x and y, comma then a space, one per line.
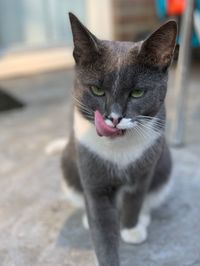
161, 10
198, 4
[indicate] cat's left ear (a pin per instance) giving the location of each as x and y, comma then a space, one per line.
158, 48
86, 47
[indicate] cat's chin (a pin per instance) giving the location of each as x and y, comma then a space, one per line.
120, 133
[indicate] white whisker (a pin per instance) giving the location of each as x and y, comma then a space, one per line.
139, 133
144, 133
149, 130
152, 126
150, 118
82, 106
155, 122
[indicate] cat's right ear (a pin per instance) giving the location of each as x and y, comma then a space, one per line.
85, 43
158, 49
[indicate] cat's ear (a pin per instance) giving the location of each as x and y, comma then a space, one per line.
85, 43
158, 48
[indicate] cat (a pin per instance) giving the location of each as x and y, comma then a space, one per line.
117, 163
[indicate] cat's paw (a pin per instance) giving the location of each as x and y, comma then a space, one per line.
136, 235
85, 222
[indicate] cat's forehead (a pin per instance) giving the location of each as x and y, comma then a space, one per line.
119, 54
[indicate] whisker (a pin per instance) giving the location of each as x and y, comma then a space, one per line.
150, 129
128, 133
84, 108
81, 104
139, 132
144, 132
146, 127
154, 122
89, 113
151, 122
153, 126
89, 117
150, 118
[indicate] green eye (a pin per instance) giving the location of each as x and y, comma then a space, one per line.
137, 93
97, 91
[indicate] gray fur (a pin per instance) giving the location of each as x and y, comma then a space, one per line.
118, 67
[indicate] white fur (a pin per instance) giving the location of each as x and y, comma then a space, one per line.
153, 200
73, 196
109, 123
156, 198
55, 146
145, 219
121, 150
85, 222
135, 235
114, 115
126, 123
139, 233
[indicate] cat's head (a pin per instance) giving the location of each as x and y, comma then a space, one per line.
121, 84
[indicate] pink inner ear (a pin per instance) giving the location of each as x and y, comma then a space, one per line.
102, 128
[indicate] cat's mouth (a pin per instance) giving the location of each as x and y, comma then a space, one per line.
103, 129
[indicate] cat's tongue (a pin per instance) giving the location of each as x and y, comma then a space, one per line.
102, 128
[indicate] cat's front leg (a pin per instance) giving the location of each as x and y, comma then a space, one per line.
104, 226
134, 223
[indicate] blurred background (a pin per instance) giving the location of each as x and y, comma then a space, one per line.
37, 225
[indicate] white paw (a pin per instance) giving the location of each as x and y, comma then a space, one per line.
135, 235
85, 222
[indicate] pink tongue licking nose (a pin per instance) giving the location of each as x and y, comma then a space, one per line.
102, 128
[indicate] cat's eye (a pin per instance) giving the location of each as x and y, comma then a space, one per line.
97, 91
137, 93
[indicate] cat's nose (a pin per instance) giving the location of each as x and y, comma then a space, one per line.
115, 118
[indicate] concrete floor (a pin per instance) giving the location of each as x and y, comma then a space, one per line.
39, 228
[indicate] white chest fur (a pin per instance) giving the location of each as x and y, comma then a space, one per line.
121, 150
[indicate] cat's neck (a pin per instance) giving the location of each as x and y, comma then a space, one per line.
120, 150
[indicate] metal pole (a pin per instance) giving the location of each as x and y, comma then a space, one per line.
182, 75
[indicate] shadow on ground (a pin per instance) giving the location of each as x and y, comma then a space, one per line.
73, 235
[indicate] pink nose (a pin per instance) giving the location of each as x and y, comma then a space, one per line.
115, 120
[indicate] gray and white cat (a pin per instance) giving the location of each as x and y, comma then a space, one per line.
117, 158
